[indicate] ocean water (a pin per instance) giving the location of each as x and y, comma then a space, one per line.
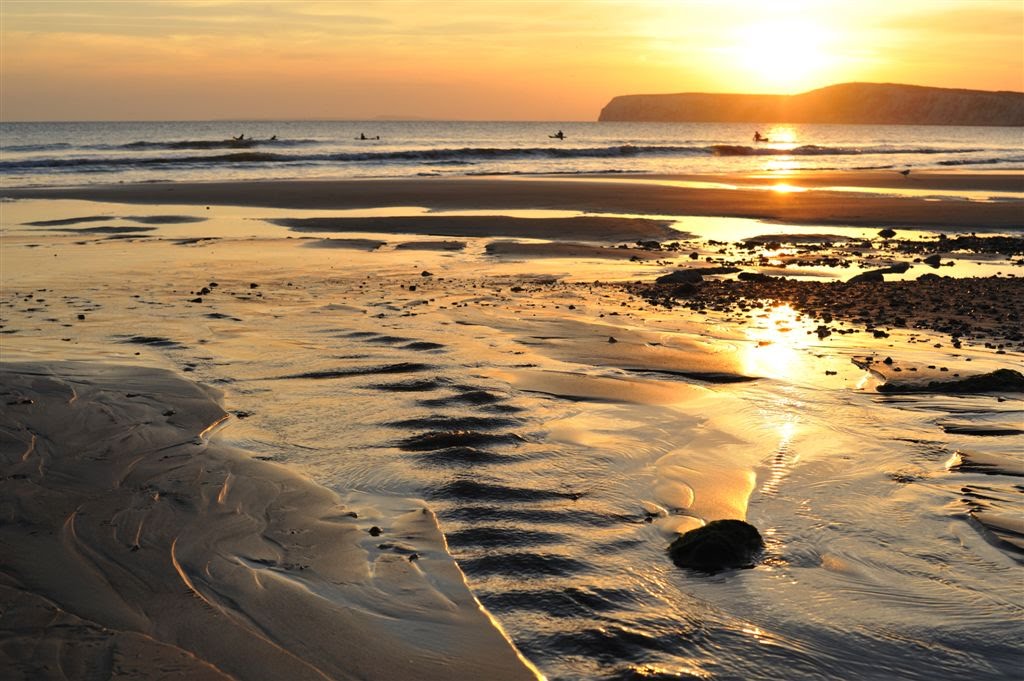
103, 152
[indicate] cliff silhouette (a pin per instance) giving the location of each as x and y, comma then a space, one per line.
847, 103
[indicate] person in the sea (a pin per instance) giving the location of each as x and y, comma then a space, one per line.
758, 137
239, 138
273, 138
559, 135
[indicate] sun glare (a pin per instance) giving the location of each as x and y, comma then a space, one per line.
783, 56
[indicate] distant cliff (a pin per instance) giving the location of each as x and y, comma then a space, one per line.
849, 103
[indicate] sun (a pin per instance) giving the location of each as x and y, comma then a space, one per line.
783, 56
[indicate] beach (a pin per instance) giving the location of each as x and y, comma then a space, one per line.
447, 427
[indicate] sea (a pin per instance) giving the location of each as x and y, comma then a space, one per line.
102, 152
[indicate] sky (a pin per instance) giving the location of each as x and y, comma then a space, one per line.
476, 59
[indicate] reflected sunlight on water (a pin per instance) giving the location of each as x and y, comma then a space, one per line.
777, 341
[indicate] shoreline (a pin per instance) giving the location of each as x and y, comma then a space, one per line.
632, 195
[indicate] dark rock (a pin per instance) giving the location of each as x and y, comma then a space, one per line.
872, 275
898, 268
425, 273
1000, 380
683, 291
375, 531
929, 276
934, 260
680, 277
694, 275
753, 276
887, 233
254, 285
195, 300
611, 339
719, 545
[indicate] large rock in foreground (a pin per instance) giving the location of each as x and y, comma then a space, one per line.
719, 545
848, 103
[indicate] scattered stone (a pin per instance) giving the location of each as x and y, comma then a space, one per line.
425, 273
611, 339
887, 233
719, 545
933, 260
375, 531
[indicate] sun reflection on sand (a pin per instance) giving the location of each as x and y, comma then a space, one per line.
783, 188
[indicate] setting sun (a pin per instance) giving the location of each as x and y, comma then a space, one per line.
783, 55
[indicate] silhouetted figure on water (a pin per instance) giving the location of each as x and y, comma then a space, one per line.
362, 136
758, 137
558, 135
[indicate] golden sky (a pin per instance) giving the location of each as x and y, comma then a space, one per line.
476, 59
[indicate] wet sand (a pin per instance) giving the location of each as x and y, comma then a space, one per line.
133, 545
638, 195
536, 401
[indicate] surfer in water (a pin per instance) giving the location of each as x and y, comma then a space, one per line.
758, 137
558, 135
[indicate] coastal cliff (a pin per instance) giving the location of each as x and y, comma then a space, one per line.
848, 103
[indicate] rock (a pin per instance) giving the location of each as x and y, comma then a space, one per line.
425, 273
611, 339
928, 276
375, 531
683, 290
934, 260
872, 275
877, 275
680, 277
898, 268
694, 275
753, 276
1000, 380
719, 545
887, 233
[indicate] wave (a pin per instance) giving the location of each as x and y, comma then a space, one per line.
816, 150
981, 161
449, 156
230, 143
